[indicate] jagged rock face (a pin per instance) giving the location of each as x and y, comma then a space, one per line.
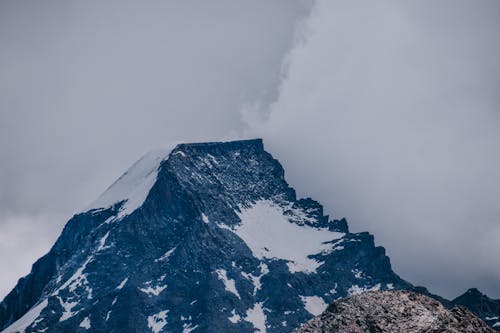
393, 311
204, 238
486, 308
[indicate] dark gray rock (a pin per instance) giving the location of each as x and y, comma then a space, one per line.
392, 312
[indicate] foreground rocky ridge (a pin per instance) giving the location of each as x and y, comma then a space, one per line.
392, 312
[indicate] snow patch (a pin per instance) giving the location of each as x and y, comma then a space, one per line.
314, 305
166, 255
357, 273
133, 186
122, 284
355, 289
77, 279
257, 285
153, 291
229, 284
187, 328
333, 291
102, 243
157, 321
235, 318
263, 268
68, 309
27, 319
256, 317
85, 323
268, 233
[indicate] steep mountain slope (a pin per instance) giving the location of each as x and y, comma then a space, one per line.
483, 306
205, 238
393, 311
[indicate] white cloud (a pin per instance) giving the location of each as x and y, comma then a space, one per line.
389, 115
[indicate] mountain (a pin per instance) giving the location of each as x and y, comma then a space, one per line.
205, 237
483, 306
394, 311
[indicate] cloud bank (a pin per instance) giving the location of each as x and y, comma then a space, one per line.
389, 115
387, 112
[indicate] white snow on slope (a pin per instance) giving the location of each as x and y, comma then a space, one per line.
187, 328
157, 321
78, 279
134, 185
102, 242
314, 305
68, 309
234, 317
269, 234
257, 317
257, 285
85, 323
356, 290
153, 291
29, 317
229, 284
166, 255
122, 284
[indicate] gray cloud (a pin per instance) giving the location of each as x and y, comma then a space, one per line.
87, 87
389, 115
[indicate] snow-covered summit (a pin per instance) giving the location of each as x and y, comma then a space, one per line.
131, 189
134, 185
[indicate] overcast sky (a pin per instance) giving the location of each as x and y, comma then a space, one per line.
387, 112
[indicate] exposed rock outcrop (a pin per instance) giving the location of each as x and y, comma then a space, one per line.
392, 312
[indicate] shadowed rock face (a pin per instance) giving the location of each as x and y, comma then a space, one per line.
393, 311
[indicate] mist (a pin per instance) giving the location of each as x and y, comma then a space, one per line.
386, 112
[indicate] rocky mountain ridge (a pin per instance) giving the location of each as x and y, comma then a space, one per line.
392, 312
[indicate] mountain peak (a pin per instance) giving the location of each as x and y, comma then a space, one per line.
246, 143
131, 189
474, 291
